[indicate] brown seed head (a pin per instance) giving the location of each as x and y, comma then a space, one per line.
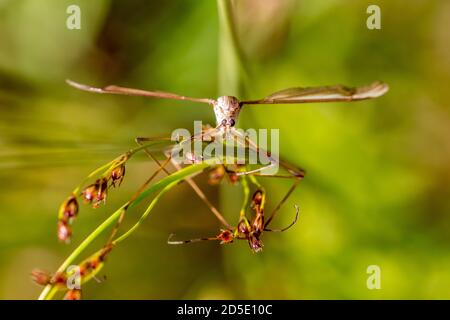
40, 277
255, 243
243, 227
258, 223
74, 294
90, 192
69, 208
64, 231
225, 236
257, 198
102, 189
233, 177
58, 279
117, 175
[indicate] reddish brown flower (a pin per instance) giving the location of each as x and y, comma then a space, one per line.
59, 279
117, 175
90, 192
69, 208
40, 277
74, 294
255, 243
225, 236
64, 231
258, 223
96, 192
243, 226
257, 199
101, 192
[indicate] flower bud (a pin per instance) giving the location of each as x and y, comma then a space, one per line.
64, 231
96, 192
74, 294
255, 243
117, 175
257, 199
40, 277
69, 208
101, 191
59, 279
90, 192
243, 227
225, 236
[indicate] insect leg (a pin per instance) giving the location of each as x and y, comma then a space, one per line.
190, 181
296, 173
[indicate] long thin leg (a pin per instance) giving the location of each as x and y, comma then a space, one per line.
297, 175
225, 236
202, 196
289, 226
190, 181
170, 241
133, 197
292, 169
140, 140
277, 208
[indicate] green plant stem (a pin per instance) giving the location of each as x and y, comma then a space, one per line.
109, 164
164, 185
232, 69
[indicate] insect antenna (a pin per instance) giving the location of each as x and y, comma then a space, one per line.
290, 225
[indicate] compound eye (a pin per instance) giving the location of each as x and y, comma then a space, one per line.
224, 122
232, 122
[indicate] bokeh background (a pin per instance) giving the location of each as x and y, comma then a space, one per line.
378, 172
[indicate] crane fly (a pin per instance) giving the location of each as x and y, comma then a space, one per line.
227, 109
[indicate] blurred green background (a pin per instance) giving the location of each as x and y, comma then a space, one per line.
378, 172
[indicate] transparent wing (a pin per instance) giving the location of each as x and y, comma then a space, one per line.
324, 94
137, 92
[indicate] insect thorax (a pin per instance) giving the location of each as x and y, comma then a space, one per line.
227, 110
